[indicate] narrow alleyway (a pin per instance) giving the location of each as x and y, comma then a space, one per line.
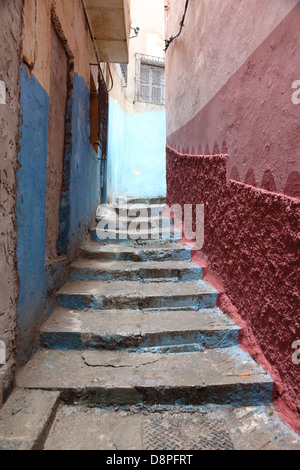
138, 356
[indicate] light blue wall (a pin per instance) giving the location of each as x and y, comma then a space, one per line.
136, 153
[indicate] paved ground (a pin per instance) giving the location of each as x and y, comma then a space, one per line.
137, 355
207, 428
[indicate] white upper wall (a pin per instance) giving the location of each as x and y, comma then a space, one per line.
149, 16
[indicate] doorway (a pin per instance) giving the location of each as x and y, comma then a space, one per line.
59, 69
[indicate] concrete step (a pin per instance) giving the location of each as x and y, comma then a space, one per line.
142, 200
156, 234
26, 419
134, 210
124, 252
215, 376
134, 223
139, 331
155, 271
81, 295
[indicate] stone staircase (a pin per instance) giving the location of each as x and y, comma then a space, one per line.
137, 326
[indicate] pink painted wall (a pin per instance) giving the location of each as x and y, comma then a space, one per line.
229, 87
229, 96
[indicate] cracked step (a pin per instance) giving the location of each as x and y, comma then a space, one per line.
157, 252
81, 295
138, 330
216, 376
96, 270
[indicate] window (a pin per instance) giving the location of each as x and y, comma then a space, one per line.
124, 70
150, 79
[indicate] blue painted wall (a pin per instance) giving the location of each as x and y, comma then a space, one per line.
85, 168
38, 281
31, 203
136, 153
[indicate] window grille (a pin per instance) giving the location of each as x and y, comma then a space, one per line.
124, 69
150, 79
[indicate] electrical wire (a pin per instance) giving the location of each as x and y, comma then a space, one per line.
172, 38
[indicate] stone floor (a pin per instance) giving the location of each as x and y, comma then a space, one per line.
203, 428
137, 356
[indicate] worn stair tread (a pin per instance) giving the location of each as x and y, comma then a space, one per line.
95, 248
215, 370
26, 418
142, 200
148, 271
136, 289
132, 265
136, 323
136, 206
136, 219
132, 295
164, 233
160, 250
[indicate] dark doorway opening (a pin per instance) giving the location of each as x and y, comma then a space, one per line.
59, 70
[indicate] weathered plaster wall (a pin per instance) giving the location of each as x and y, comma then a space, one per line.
252, 247
229, 87
10, 32
137, 131
59, 70
40, 278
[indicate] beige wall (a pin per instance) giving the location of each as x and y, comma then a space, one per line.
149, 17
74, 30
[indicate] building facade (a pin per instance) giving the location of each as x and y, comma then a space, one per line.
50, 166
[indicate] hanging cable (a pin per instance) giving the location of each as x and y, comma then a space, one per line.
172, 38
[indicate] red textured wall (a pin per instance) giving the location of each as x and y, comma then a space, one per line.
251, 245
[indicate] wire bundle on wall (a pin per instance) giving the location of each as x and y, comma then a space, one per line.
172, 38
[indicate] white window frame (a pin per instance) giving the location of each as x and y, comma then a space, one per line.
156, 88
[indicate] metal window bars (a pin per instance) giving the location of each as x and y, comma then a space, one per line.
150, 79
124, 70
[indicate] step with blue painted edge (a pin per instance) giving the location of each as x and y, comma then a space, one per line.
80, 295
140, 331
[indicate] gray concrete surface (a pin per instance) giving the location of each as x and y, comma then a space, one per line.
225, 376
26, 418
216, 428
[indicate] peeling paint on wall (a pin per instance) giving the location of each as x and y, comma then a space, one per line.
41, 277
